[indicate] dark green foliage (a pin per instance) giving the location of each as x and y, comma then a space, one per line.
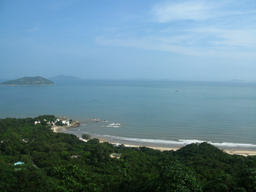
86, 136
247, 179
62, 162
209, 161
25, 81
223, 183
23, 178
173, 177
73, 178
59, 123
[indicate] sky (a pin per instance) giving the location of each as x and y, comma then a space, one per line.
191, 40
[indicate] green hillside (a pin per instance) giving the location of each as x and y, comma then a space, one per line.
56, 162
25, 81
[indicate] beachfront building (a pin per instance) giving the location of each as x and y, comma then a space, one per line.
36, 122
75, 156
19, 163
60, 121
115, 155
65, 122
25, 140
117, 145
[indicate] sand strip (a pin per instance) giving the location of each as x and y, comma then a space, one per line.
240, 152
57, 129
231, 151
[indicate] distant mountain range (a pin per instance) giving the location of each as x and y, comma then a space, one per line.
237, 81
28, 81
64, 78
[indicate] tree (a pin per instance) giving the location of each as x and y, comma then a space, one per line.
247, 179
27, 178
59, 123
222, 183
72, 178
8, 178
86, 136
173, 177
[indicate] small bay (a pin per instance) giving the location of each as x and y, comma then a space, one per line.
145, 112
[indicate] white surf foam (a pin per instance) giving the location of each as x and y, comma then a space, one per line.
181, 142
115, 125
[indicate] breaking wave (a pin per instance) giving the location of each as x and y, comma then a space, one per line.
116, 125
180, 142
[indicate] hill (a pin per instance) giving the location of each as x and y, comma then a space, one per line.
64, 78
28, 81
33, 158
236, 81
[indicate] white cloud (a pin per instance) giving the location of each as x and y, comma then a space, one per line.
199, 28
173, 45
190, 10
230, 37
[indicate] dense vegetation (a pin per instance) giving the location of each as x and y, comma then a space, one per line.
86, 136
29, 81
62, 162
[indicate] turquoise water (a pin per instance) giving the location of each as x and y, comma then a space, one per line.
148, 112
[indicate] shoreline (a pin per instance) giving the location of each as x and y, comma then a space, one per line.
170, 148
228, 151
58, 129
231, 151
61, 129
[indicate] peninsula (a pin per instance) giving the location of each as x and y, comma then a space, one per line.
28, 81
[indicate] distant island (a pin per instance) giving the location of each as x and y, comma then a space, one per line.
236, 81
64, 78
28, 81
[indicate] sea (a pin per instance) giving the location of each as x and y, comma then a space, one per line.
145, 113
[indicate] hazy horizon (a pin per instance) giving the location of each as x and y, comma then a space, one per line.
187, 40
131, 79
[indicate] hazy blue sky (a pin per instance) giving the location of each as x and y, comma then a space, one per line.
135, 39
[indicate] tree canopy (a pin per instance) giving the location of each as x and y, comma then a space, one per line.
62, 162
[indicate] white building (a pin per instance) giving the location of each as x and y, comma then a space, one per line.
65, 122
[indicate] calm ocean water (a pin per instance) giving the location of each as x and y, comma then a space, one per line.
161, 113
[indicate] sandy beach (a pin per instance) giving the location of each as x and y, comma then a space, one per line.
166, 148
156, 148
241, 152
231, 151
57, 129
